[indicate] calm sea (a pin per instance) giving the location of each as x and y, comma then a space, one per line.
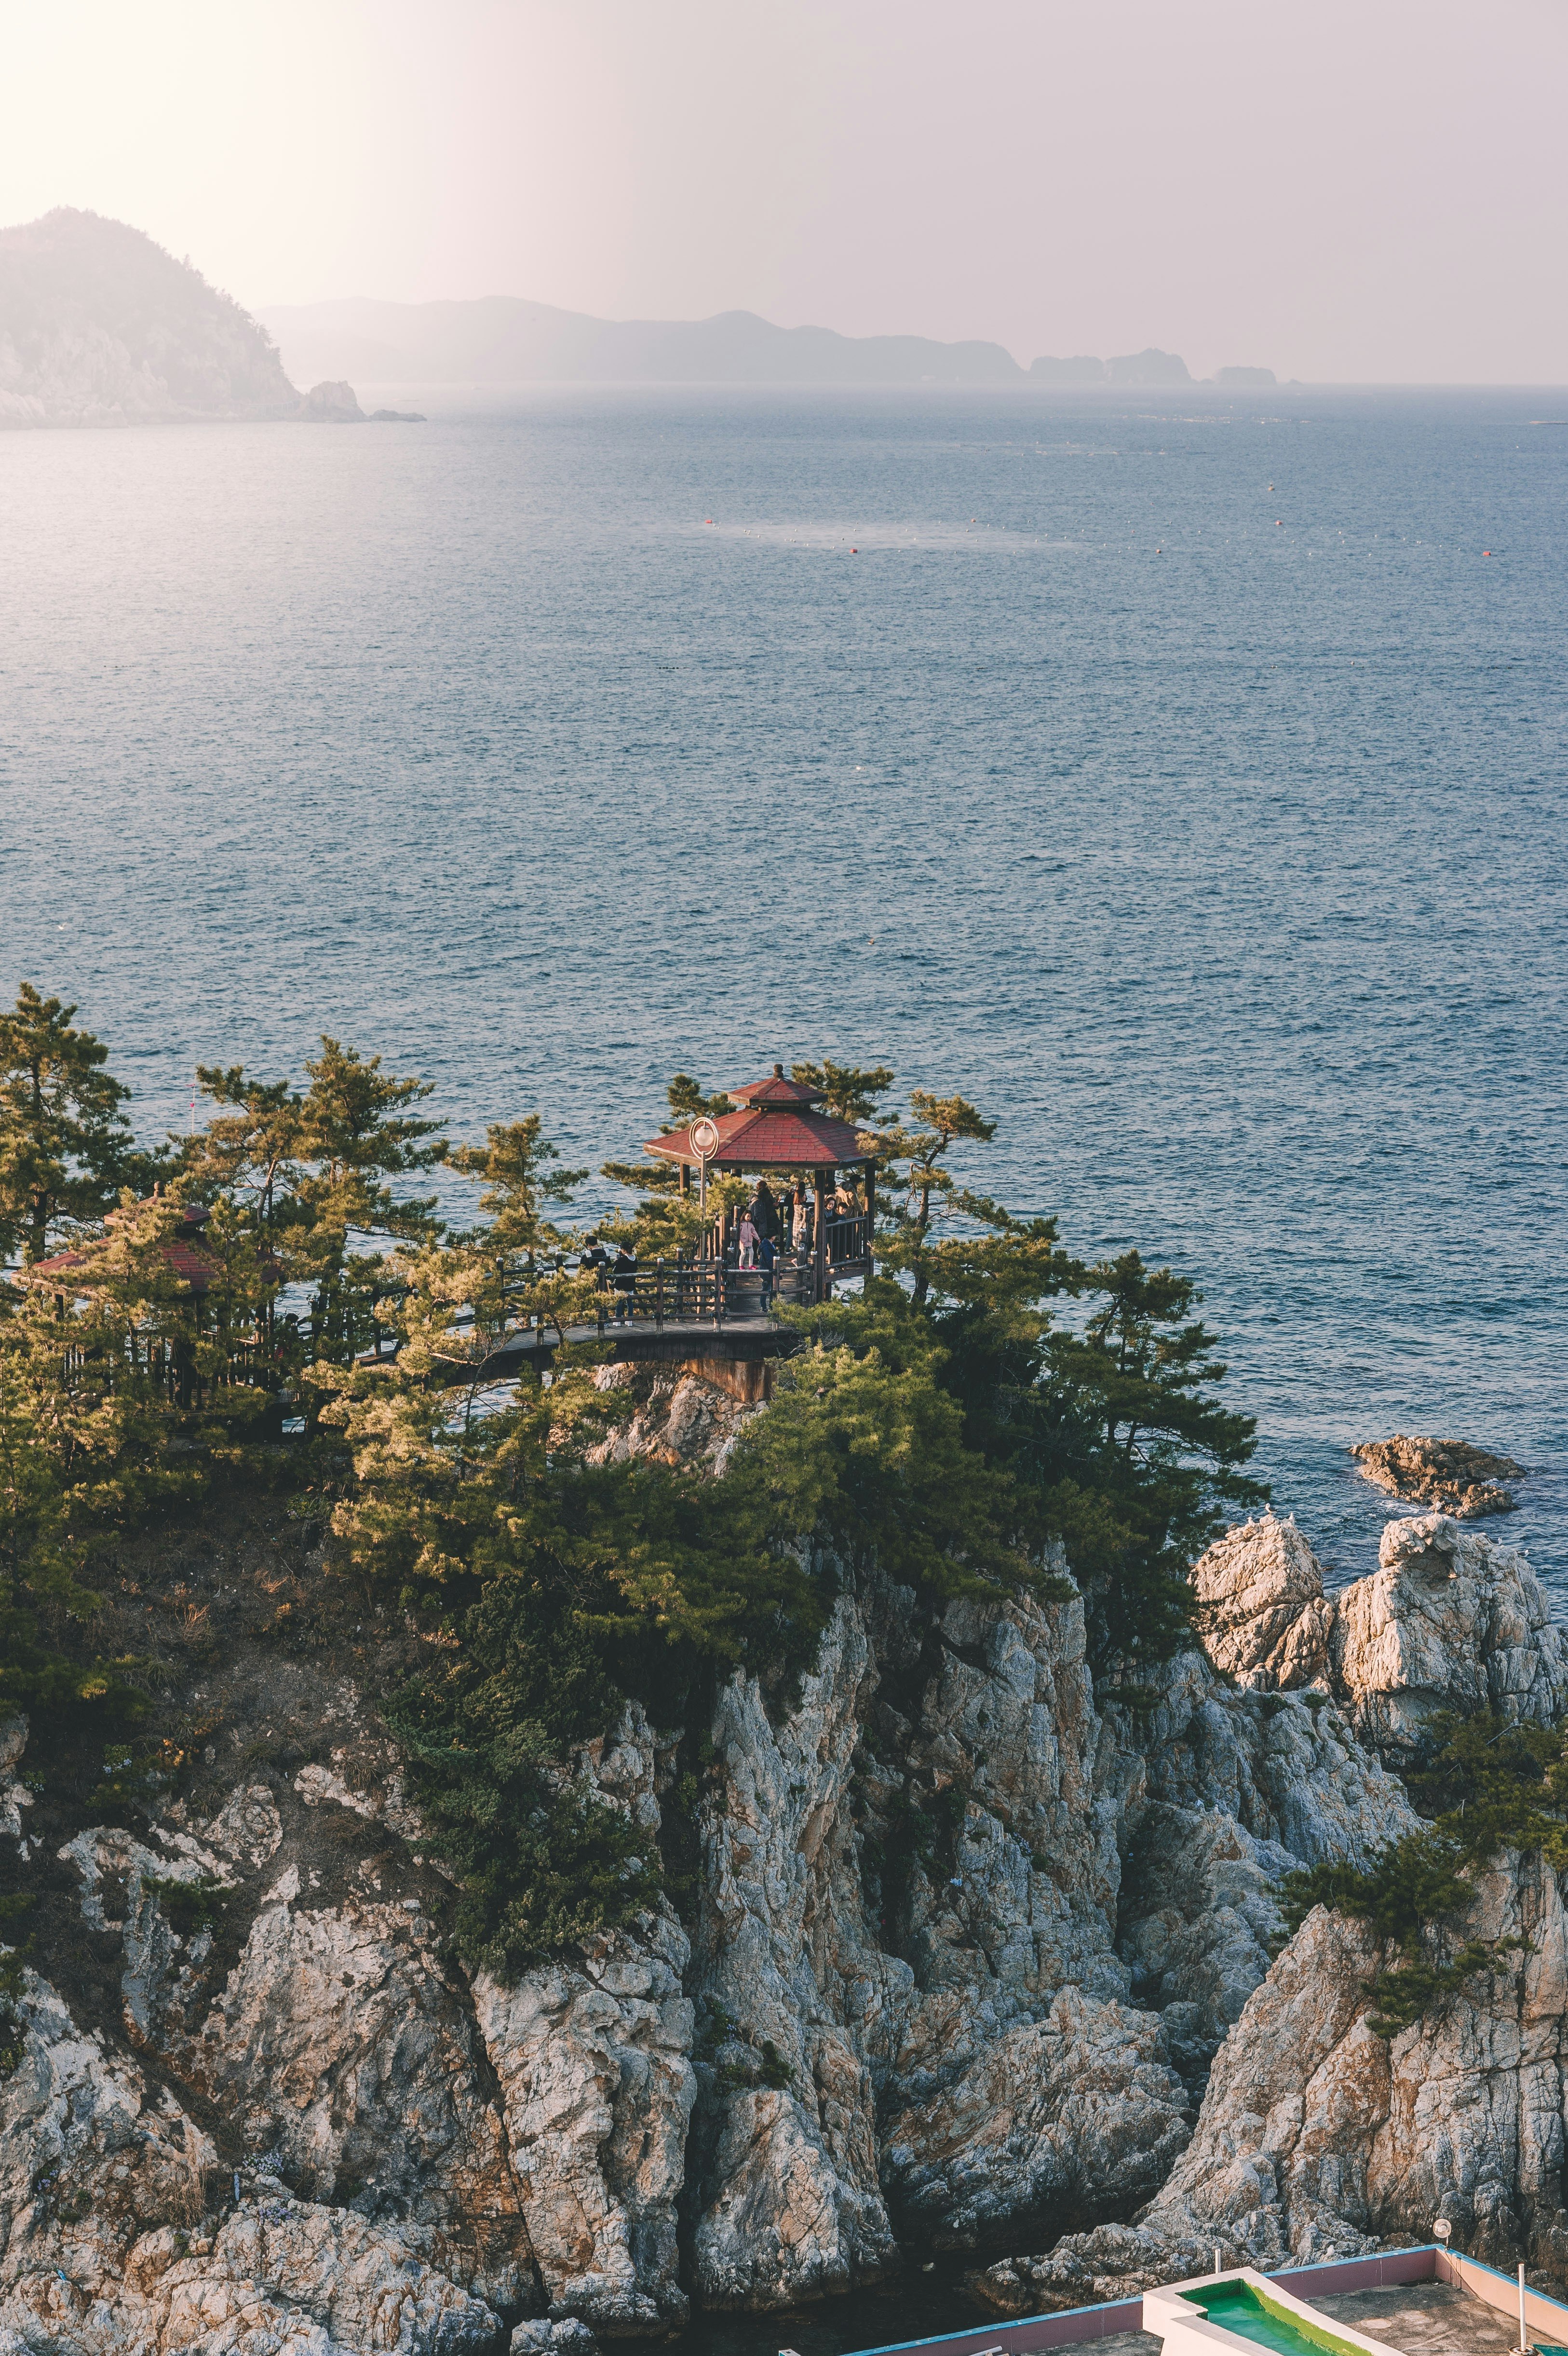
1181, 780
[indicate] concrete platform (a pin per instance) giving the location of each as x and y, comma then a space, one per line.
1426, 2319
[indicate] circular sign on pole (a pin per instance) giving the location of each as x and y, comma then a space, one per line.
705, 1144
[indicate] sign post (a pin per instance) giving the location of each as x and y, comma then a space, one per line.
705, 1145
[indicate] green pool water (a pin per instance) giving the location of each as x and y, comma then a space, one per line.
1239, 2308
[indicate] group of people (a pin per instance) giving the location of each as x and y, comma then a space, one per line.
768, 1226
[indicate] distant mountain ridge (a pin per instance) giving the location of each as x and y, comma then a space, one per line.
504, 340
100, 327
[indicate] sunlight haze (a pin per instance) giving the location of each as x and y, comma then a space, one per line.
1361, 192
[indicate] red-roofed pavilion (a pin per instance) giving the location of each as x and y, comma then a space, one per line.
189, 1264
778, 1127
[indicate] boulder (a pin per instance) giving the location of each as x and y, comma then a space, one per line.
1449, 1621
1266, 1621
330, 404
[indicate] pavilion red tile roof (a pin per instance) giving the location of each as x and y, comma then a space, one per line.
189, 1264
777, 1091
768, 1136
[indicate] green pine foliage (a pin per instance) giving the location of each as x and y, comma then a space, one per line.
65, 1144
987, 1397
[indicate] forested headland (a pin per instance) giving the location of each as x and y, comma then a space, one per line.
987, 1403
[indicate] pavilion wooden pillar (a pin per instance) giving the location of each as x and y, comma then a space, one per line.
870, 1219
819, 1241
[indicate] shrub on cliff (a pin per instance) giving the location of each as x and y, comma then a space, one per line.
1486, 1785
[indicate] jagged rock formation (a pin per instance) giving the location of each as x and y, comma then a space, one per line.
957, 1955
1317, 2134
1449, 1621
111, 2239
673, 1417
13, 1795
1450, 1475
100, 327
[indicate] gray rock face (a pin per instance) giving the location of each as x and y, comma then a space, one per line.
594, 2063
959, 1951
1220, 1793
675, 1418
13, 1795
1078, 2111
1448, 1620
108, 2242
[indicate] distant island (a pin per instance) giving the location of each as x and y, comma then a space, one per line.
98, 325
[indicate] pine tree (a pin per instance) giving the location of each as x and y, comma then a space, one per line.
515, 1166
849, 1091
924, 1178
357, 1130
65, 1145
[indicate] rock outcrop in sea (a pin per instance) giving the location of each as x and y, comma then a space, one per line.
962, 1959
1451, 1474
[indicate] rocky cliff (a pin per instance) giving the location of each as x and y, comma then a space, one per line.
949, 1955
100, 327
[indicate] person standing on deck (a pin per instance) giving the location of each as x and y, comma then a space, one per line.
765, 1210
624, 1280
798, 1220
765, 1255
747, 1240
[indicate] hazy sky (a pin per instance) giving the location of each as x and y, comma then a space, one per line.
1357, 188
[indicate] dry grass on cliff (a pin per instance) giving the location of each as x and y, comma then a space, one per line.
252, 1664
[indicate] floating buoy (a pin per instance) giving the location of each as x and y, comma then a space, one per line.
1486, 552
854, 552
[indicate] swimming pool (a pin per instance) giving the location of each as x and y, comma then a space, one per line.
1266, 2322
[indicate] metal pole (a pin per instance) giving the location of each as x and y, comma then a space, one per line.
1523, 2342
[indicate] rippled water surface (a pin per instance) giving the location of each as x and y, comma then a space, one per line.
1181, 781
